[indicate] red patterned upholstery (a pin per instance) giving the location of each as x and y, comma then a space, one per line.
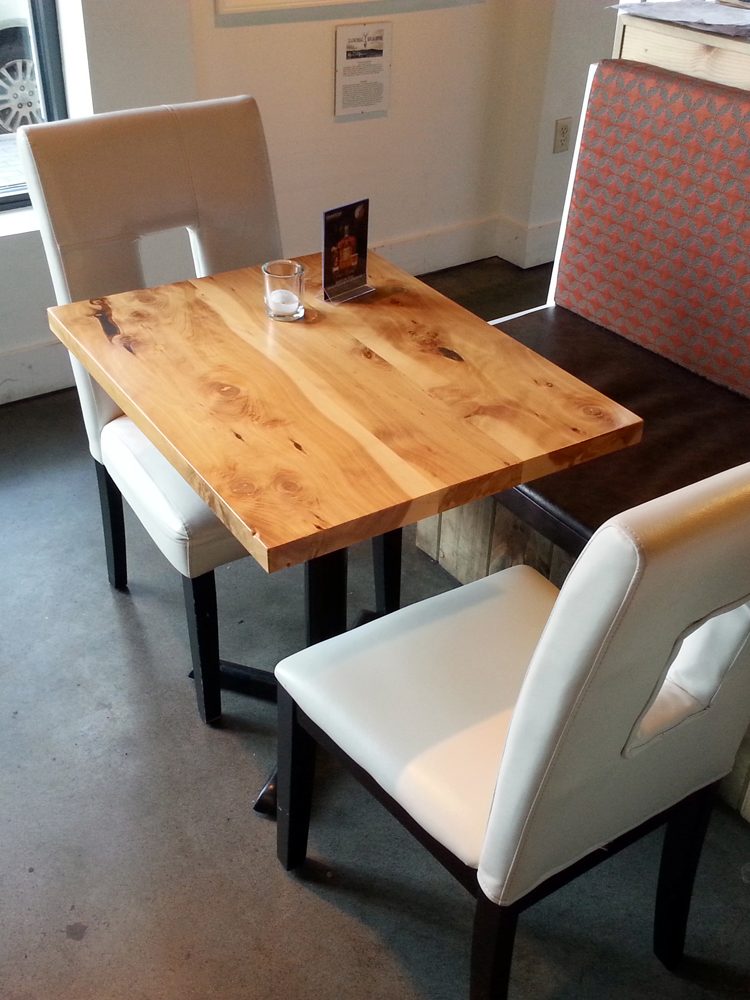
657, 244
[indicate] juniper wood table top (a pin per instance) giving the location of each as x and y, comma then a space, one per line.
363, 417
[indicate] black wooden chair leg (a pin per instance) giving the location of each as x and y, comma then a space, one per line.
683, 840
296, 772
203, 629
113, 523
386, 550
492, 949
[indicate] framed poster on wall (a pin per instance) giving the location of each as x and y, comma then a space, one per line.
250, 6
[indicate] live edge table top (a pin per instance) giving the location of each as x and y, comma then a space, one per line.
363, 417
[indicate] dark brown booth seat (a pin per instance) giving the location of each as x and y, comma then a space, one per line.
650, 292
693, 428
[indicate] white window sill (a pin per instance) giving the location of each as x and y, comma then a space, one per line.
17, 221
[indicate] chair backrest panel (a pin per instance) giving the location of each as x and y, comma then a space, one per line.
639, 690
99, 184
656, 244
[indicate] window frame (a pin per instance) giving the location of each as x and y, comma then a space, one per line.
45, 31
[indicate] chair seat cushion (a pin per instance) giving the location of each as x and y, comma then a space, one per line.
693, 428
185, 529
422, 698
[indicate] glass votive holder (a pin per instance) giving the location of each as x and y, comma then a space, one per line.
283, 283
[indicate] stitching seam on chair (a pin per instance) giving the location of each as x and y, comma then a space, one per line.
188, 162
102, 241
603, 646
39, 187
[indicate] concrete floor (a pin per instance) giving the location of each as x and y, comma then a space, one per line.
131, 864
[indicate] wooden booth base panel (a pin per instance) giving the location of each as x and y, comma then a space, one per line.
483, 537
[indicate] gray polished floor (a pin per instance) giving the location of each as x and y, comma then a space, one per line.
131, 865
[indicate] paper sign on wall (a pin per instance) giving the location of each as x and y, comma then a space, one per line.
363, 69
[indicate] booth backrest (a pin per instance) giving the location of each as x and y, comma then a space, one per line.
656, 243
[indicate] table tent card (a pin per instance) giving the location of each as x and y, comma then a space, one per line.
345, 252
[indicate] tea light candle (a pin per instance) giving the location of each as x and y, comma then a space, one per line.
282, 302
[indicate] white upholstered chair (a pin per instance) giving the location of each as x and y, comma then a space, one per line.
98, 185
524, 734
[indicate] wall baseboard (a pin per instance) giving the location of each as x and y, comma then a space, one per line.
526, 246
33, 370
432, 250
497, 236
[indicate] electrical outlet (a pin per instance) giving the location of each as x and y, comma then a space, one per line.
562, 135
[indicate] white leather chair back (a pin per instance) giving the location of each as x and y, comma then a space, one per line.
100, 183
639, 690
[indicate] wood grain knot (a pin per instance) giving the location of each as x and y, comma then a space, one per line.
361, 350
243, 487
284, 483
226, 391
128, 343
227, 399
103, 313
392, 290
448, 353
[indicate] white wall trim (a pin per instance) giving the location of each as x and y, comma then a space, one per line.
34, 369
18, 221
434, 249
517, 315
526, 246
497, 235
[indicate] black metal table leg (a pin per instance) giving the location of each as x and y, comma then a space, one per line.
325, 616
386, 550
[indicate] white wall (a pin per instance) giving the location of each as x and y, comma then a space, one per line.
30, 360
582, 33
547, 49
139, 52
424, 165
459, 168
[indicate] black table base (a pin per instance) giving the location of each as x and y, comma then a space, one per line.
325, 616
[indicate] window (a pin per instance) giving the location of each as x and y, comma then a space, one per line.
31, 83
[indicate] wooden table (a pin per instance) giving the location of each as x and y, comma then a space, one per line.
308, 437
364, 417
